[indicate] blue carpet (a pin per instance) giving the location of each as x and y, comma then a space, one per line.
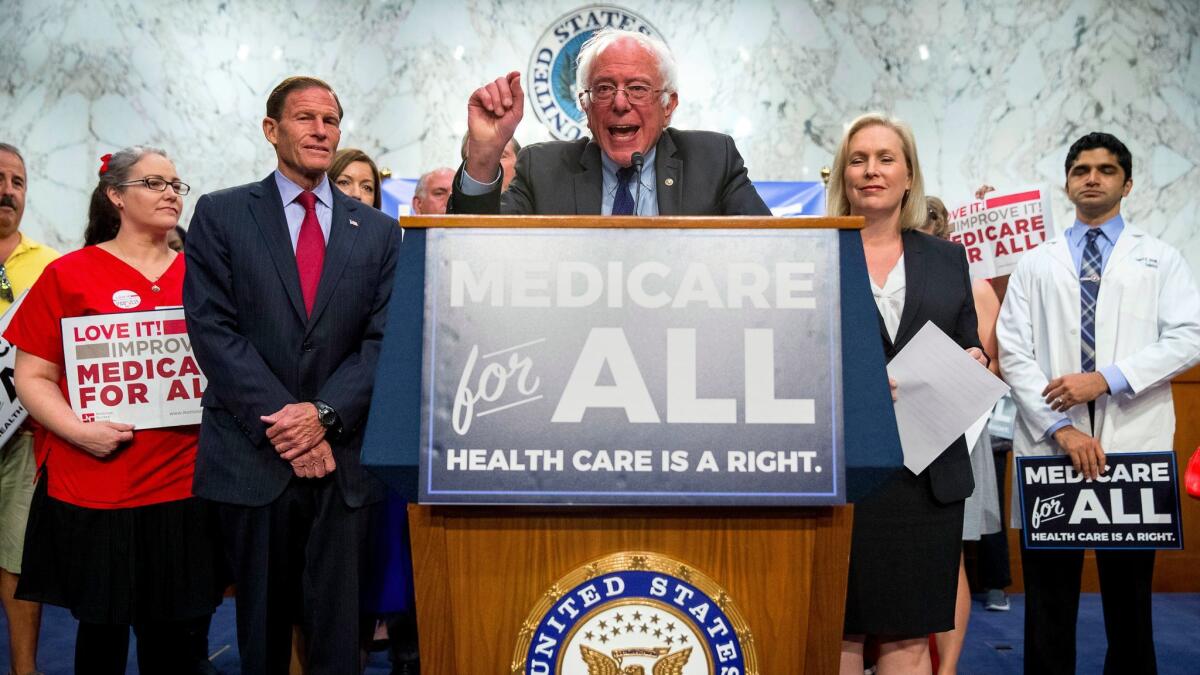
994, 639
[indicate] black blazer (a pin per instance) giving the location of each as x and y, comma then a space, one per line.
251, 336
938, 289
699, 173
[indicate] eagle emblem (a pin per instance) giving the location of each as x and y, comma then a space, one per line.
599, 663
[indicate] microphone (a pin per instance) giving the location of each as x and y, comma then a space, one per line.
636, 159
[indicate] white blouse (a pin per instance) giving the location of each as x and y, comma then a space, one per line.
890, 298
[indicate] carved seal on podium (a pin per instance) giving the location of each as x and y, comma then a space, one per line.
635, 613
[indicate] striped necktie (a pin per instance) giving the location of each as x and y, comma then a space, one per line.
1089, 291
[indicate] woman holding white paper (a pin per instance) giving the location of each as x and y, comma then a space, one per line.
907, 533
114, 533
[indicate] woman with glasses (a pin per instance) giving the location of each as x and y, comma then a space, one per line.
907, 533
114, 533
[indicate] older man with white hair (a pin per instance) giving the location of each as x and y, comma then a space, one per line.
432, 192
633, 164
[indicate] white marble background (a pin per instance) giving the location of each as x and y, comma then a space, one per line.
996, 90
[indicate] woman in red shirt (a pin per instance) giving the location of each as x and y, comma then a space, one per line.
115, 534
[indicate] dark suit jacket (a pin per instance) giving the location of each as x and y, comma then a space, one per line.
938, 288
247, 323
706, 174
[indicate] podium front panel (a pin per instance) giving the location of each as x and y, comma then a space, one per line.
631, 367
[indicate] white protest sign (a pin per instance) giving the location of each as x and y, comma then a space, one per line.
133, 367
12, 413
1000, 228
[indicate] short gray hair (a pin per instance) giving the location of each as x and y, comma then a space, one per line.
607, 37
12, 150
422, 189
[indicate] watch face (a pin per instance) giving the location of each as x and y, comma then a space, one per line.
325, 414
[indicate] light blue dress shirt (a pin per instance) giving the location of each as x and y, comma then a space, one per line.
1076, 239
294, 210
647, 200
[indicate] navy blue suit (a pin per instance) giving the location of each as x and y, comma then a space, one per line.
294, 543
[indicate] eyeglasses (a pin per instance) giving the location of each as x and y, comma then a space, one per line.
6, 292
635, 93
159, 184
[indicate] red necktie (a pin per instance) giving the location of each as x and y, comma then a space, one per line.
310, 250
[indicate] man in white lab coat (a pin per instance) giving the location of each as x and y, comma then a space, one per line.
1094, 325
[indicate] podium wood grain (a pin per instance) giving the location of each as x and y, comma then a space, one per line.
479, 571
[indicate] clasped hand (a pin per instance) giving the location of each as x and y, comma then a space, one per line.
296, 433
102, 438
1062, 393
316, 463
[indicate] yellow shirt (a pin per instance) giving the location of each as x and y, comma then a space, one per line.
24, 266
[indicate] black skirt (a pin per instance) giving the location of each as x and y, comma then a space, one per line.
140, 565
904, 554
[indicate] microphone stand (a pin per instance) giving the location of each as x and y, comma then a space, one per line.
637, 160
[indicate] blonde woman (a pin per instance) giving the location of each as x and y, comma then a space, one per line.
908, 532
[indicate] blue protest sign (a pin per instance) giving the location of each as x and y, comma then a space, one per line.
1134, 504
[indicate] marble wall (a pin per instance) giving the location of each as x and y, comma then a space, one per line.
995, 89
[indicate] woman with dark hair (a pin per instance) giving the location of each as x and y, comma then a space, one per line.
355, 174
907, 534
115, 534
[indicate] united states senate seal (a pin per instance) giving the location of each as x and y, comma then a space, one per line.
551, 74
635, 613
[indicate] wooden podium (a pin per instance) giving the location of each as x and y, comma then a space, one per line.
481, 571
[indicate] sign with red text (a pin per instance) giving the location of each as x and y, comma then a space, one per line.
1000, 228
12, 413
133, 367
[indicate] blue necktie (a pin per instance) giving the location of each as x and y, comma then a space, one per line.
1089, 291
623, 202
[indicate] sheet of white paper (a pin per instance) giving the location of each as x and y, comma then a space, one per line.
941, 391
976, 430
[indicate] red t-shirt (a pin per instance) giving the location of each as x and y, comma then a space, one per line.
157, 466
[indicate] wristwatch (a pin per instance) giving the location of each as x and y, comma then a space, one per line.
326, 415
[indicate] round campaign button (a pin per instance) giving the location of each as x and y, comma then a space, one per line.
126, 299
